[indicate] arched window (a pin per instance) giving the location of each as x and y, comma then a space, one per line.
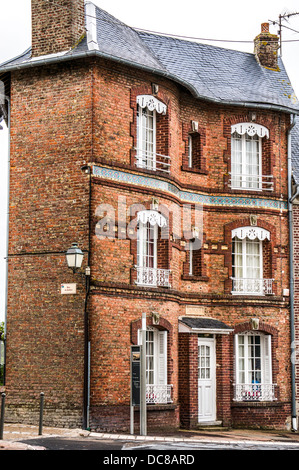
246, 157
247, 261
149, 155
148, 273
253, 367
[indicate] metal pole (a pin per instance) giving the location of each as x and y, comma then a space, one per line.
143, 427
131, 400
41, 412
280, 36
291, 269
2, 415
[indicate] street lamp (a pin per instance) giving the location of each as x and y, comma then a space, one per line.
74, 257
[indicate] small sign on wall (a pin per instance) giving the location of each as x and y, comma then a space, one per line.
68, 288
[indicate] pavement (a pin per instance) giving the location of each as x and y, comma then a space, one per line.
14, 433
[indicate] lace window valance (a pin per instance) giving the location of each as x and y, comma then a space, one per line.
251, 129
153, 217
251, 232
150, 102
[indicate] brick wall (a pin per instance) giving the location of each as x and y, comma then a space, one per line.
82, 112
296, 293
48, 212
56, 25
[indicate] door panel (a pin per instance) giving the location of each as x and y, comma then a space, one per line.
206, 380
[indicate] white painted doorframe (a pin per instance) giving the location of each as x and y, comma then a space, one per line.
206, 380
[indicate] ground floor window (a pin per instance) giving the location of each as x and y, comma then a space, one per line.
158, 391
253, 367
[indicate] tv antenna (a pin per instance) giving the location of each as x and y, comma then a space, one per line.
285, 17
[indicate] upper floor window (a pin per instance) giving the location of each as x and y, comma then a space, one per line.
253, 367
247, 261
194, 151
149, 148
194, 141
148, 272
246, 157
195, 260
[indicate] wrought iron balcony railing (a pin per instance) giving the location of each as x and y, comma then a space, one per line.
152, 161
251, 182
254, 392
252, 286
152, 277
158, 394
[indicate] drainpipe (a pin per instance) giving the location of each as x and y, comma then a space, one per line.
7, 233
291, 247
86, 387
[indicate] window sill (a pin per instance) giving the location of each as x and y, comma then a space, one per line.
255, 404
251, 294
194, 170
159, 407
254, 191
188, 277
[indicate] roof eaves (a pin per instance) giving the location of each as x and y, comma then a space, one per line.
12, 65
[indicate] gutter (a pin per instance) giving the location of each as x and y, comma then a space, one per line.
291, 247
54, 59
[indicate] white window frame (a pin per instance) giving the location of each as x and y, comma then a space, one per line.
244, 179
147, 108
245, 243
146, 138
190, 143
156, 356
190, 258
148, 274
147, 235
253, 373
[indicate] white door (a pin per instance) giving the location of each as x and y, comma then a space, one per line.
206, 380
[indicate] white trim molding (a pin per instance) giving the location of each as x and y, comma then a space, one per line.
251, 129
152, 103
153, 217
251, 232
91, 26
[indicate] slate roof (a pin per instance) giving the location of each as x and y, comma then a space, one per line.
200, 323
211, 73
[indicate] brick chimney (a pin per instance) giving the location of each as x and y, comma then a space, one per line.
266, 47
57, 25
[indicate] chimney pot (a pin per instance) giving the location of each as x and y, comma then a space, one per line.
265, 28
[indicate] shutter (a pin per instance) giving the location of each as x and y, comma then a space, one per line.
267, 360
236, 359
162, 357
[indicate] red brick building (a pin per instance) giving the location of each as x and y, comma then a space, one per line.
166, 161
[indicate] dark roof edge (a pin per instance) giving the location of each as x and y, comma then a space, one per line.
94, 53
203, 325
